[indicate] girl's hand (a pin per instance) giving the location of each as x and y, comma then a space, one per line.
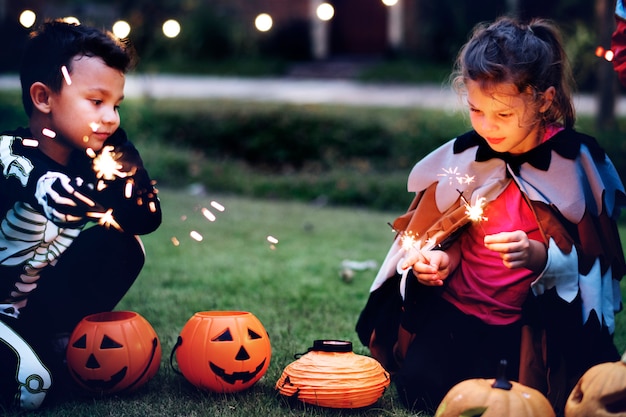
517, 250
429, 267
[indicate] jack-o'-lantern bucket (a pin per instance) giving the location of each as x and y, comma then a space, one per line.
222, 351
113, 351
331, 375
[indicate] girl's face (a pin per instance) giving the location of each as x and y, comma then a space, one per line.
508, 120
84, 113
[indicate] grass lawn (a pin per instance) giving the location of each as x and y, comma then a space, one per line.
294, 287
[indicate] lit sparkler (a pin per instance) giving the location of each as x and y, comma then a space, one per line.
474, 212
106, 218
106, 165
453, 175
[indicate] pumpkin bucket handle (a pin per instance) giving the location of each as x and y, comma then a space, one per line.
176, 346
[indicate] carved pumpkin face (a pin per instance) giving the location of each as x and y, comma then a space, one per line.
493, 398
223, 351
113, 351
600, 392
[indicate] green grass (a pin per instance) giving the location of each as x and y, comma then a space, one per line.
294, 288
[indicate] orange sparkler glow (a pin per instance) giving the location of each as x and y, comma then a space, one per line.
106, 219
66, 75
106, 166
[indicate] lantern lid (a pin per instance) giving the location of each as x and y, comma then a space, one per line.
331, 346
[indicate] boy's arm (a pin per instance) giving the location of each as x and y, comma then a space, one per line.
131, 197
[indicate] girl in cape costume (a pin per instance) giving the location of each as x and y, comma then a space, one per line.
570, 189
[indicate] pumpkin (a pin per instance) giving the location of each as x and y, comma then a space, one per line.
223, 351
113, 351
494, 398
600, 392
331, 375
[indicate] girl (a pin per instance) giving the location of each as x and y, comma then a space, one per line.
534, 277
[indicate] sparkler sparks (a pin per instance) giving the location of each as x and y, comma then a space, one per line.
454, 176
106, 164
33, 143
106, 219
474, 212
49, 133
66, 75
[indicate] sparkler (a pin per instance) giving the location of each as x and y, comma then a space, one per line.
106, 218
453, 175
106, 164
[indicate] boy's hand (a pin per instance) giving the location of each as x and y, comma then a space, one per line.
61, 201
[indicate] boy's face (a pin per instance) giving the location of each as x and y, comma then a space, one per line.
84, 113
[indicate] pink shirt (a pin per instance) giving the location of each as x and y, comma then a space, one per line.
482, 286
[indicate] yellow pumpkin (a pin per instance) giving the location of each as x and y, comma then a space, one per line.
600, 392
494, 398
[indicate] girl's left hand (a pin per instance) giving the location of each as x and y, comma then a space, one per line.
517, 250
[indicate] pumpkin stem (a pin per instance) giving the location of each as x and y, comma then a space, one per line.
501, 381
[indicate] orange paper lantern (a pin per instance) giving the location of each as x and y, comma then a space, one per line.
223, 351
331, 375
113, 351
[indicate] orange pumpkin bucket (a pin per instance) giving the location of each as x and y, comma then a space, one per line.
113, 351
222, 351
331, 375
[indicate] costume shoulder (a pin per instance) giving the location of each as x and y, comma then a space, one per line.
455, 168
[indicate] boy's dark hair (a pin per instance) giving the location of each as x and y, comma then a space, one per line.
55, 45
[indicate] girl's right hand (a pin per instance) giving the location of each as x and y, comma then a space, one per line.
429, 267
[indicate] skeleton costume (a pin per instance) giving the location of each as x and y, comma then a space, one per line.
55, 267
567, 315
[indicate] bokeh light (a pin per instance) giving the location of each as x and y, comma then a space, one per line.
325, 11
171, 28
390, 2
27, 18
71, 20
263, 22
121, 29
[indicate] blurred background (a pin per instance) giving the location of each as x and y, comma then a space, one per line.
354, 154
383, 40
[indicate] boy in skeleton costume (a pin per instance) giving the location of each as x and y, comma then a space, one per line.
69, 225
534, 279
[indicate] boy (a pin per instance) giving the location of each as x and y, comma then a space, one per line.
71, 167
